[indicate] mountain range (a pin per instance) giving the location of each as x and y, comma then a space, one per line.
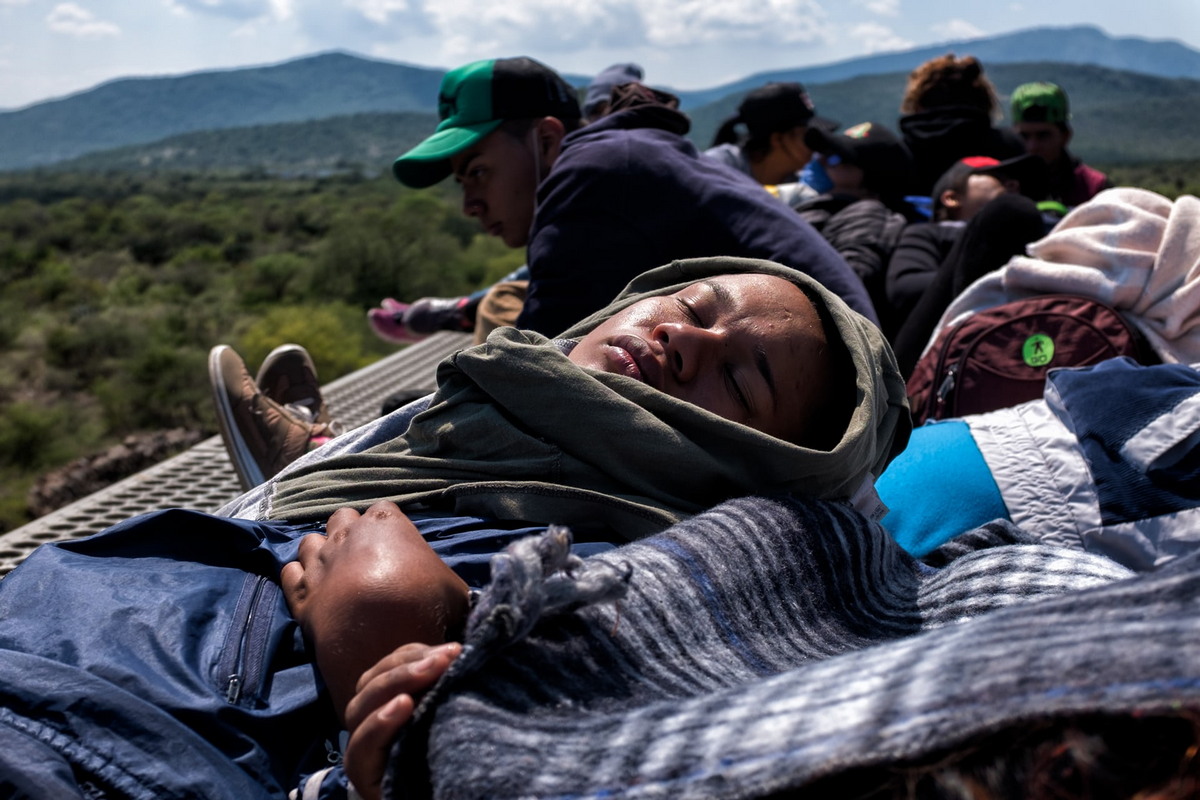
1133, 100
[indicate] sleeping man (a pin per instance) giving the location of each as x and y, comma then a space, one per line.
180, 649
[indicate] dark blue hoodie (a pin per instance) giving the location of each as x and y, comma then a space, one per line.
629, 193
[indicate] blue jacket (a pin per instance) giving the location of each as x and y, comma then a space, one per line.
629, 193
159, 659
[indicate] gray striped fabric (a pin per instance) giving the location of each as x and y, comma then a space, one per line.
766, 644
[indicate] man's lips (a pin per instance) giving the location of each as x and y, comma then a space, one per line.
635, 358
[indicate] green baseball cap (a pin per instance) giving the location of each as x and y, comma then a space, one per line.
475, 100
1040, 102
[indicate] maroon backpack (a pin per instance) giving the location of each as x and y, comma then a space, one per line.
998, 357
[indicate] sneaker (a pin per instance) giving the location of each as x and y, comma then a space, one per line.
387, 322
289, 377
261, 435
431, 314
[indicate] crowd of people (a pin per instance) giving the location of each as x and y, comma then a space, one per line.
690, 401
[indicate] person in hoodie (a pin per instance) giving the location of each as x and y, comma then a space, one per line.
182, 650
948, 109
597, 205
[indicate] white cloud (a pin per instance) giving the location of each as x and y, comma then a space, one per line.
466, 26
884, 8
229, 9
377, 11
74, 20
956, 29
876, 38
14, 2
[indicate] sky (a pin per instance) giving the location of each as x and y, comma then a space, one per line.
50, 49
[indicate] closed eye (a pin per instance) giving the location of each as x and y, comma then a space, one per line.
690, 311
736, 391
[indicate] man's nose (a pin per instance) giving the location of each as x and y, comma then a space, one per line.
472, 205
688, 348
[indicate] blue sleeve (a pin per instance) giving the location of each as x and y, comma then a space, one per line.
938, 488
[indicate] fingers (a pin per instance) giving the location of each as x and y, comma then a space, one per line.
370, 743
383, 705
409, 670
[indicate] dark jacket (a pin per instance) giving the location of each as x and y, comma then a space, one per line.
923, 246
629, 193
941, 136
864, 232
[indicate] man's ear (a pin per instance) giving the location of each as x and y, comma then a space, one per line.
550, 133
949, 199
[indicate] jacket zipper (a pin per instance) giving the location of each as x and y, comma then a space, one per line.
244, 658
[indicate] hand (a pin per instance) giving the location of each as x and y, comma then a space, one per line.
383, 704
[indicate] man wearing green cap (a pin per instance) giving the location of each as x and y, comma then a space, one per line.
1041, 117
600, 204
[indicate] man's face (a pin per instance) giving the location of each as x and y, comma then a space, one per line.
499, 179
1043, 139
749, 348
368, 586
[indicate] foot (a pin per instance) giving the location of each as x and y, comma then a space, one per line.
431, 314
289, 377
387, 322
261, 435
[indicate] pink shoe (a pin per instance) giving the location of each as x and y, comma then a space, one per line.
387, 324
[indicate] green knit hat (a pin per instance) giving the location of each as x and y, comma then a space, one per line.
473, 101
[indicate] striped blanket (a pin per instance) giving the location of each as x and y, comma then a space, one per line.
768, 644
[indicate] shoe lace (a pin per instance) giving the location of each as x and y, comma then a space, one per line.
307, 415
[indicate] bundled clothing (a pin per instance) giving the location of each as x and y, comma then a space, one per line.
628, 193
827, 651
1107, 461
1132, 249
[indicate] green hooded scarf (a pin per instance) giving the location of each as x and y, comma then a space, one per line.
516, 431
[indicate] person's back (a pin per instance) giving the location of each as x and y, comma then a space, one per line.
629, 192
948, 108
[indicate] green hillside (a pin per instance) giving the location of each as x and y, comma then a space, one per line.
364, 143
1120, 118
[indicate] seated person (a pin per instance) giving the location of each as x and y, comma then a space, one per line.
596, 205
772, 150
864, 211
959, 195
1041, 117
949, 107
984, 213
180, 649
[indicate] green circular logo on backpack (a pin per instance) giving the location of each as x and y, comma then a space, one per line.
1038, 350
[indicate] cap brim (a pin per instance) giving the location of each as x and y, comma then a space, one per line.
821, 139
824, 123
1029, 170
429, 162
